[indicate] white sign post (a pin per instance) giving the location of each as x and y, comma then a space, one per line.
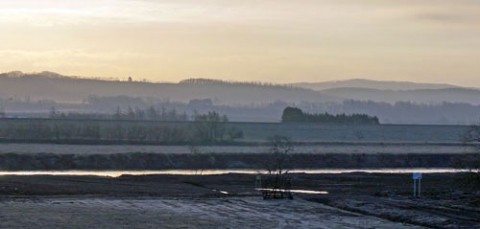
417, 184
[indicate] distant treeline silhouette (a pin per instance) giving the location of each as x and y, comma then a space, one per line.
150, 113
203, 81
204, 129
293, 114
396, 113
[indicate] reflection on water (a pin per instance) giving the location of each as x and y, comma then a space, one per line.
220, 191
219, 172
294, 191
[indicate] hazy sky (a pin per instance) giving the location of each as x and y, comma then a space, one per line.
269, 40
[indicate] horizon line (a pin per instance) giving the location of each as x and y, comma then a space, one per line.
144, 80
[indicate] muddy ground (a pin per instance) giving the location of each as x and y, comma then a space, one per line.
357, 200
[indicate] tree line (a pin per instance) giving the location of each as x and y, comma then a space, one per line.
210, 128
293, 114
138, 107
203, 81
150, 113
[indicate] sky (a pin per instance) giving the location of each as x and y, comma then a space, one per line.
278, 41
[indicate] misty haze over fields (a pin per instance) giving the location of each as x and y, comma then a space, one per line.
240, 114
392, 102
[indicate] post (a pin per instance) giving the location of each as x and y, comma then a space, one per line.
258, 182
417, 178
419, 186
414, 187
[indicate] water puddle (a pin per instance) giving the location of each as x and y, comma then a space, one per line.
300, 191
220, 191
221, 172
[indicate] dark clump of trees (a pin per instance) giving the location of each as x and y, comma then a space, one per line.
212, 128
293, 114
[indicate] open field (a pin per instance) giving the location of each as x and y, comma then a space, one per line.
324, 148
312, 132
252, 132
316, 146
229, 201
355, 200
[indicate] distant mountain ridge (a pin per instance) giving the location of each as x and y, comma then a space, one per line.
395, 91
419, 96
60, 88
45, 74
393, 102
373, 84
53, 86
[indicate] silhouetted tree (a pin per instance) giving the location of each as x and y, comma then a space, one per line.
130, 113
472, 162
152, 113
53, 113
277, 184
278, 158
234, 133
209, 128
292, 114
2, 112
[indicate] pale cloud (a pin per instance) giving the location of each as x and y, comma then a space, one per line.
443, 17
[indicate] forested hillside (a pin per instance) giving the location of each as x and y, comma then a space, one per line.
37, 94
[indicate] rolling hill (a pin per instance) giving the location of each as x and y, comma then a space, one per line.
372, 84
391, 102
53, 86
419, 96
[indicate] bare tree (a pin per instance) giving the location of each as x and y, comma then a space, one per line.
195, 162
2, 111
277, 184
209, 128
471, 162
472, 136
278, 157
